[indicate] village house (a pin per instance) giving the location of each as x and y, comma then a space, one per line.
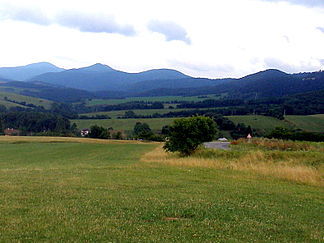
11, 132
85, 132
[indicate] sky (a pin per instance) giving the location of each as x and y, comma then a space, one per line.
206, 38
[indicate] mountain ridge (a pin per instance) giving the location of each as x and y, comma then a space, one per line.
99, 77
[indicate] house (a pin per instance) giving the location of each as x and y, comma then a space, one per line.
85, 132
11, 132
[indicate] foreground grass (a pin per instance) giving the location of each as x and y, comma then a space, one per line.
79, 192
292, 161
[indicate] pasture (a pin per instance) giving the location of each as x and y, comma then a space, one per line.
86, 190
261, 123
311, 123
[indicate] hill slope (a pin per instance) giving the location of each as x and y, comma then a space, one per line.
269, 83
46, 91
23, 73
12, 99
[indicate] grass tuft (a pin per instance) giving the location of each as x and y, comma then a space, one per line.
294, 162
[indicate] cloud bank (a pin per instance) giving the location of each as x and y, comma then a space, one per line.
170, 30
310, 3
95, 23
27, 14
85, 22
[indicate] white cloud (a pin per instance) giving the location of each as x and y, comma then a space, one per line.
96, 23
227, 37
311, 3
170, 30
24, 13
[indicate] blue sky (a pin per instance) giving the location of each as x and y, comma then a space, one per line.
207, 38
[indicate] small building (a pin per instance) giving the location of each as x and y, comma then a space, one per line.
11, 132
85, 132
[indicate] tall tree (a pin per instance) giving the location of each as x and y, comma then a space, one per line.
186, 134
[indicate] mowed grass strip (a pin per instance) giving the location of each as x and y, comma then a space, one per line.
79, 192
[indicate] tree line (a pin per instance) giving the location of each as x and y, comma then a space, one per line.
37, 122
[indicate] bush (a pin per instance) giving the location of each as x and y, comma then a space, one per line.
283, 133
142, 131
186, 134
98, 132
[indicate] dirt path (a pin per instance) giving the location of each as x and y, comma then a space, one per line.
218, 145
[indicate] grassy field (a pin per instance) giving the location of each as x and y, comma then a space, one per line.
123, 124
9, 104
261, 123
22, 98
57, 190
312, 123
148, 99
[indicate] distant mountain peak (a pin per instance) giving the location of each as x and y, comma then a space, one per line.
40, 64
26, 72
272, 70
98, 67
266, 74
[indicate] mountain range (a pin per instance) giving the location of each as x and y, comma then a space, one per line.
102, 77
45, 80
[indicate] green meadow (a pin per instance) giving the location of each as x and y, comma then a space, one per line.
262, 123
86, 190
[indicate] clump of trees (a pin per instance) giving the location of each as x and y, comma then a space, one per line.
99, 132
186, 134
241, 131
